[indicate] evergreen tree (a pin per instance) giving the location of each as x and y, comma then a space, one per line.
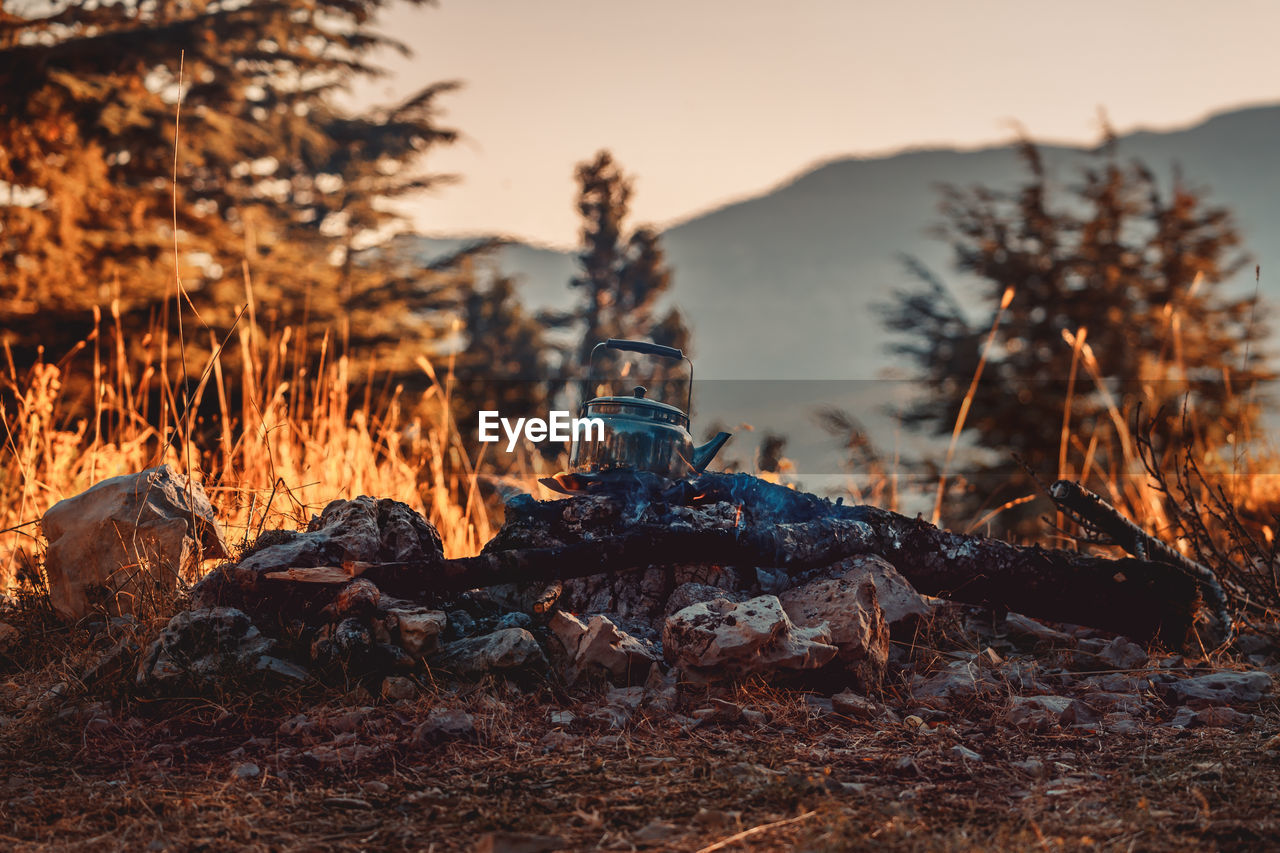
622, 280
504, 364
102, 105
1115, 295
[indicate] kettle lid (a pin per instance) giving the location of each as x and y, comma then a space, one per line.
637, 406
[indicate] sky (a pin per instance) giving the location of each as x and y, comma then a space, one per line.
707, 101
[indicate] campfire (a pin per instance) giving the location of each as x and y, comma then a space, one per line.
719, 577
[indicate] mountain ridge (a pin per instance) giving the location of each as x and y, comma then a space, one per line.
784, 285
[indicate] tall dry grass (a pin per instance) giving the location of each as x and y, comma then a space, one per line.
1217, 502
278, 439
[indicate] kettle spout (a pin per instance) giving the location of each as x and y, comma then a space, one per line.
703, 454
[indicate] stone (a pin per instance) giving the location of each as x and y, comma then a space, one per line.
418, 629
902, 606
281, 670
1226, 718
567, 631
515, 619
1030, 633
1032, 767
1220, 688
9, 635
964, 754
636, 594
461, 624
851, 704
688, 594
1118, 722
352, 637
445, 724
504, 651
849, 607
579, 649
1117, 683
1127, 703
361, 530
959, 681
126, 539
396, 688
606, 648
721, 637
1037, 713
562, 718
662, 691
1120, 653
246, 771
626, 697
1079, 714
1183, 718
558, 740
205, 648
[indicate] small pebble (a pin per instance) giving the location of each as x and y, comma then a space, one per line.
246, 771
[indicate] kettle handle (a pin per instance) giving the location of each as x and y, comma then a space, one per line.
646, 348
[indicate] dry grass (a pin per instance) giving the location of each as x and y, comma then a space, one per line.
283, 439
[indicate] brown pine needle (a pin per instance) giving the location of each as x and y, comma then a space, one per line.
755, 830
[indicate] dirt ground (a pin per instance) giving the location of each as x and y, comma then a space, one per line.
349, 775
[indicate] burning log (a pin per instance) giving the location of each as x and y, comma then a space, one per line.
778, 528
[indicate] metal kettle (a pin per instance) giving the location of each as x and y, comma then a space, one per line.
641, 434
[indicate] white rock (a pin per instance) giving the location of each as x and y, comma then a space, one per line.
419, 628
568, 631
607, 647
756, 636
898, 599
598, 646
128, 536
849, 607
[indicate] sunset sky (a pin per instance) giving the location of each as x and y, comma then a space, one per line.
706, 101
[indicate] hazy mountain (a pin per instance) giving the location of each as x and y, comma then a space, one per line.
783, 285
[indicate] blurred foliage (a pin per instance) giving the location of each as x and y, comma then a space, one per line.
622, 282
1117, 299
122, 121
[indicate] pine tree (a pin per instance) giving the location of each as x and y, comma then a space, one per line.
623, 279
1115, 295
124, 120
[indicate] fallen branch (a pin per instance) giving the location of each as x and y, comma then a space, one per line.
1101, 518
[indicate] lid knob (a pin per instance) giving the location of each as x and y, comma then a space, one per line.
639, 392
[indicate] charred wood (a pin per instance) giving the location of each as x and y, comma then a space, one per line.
790, 530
